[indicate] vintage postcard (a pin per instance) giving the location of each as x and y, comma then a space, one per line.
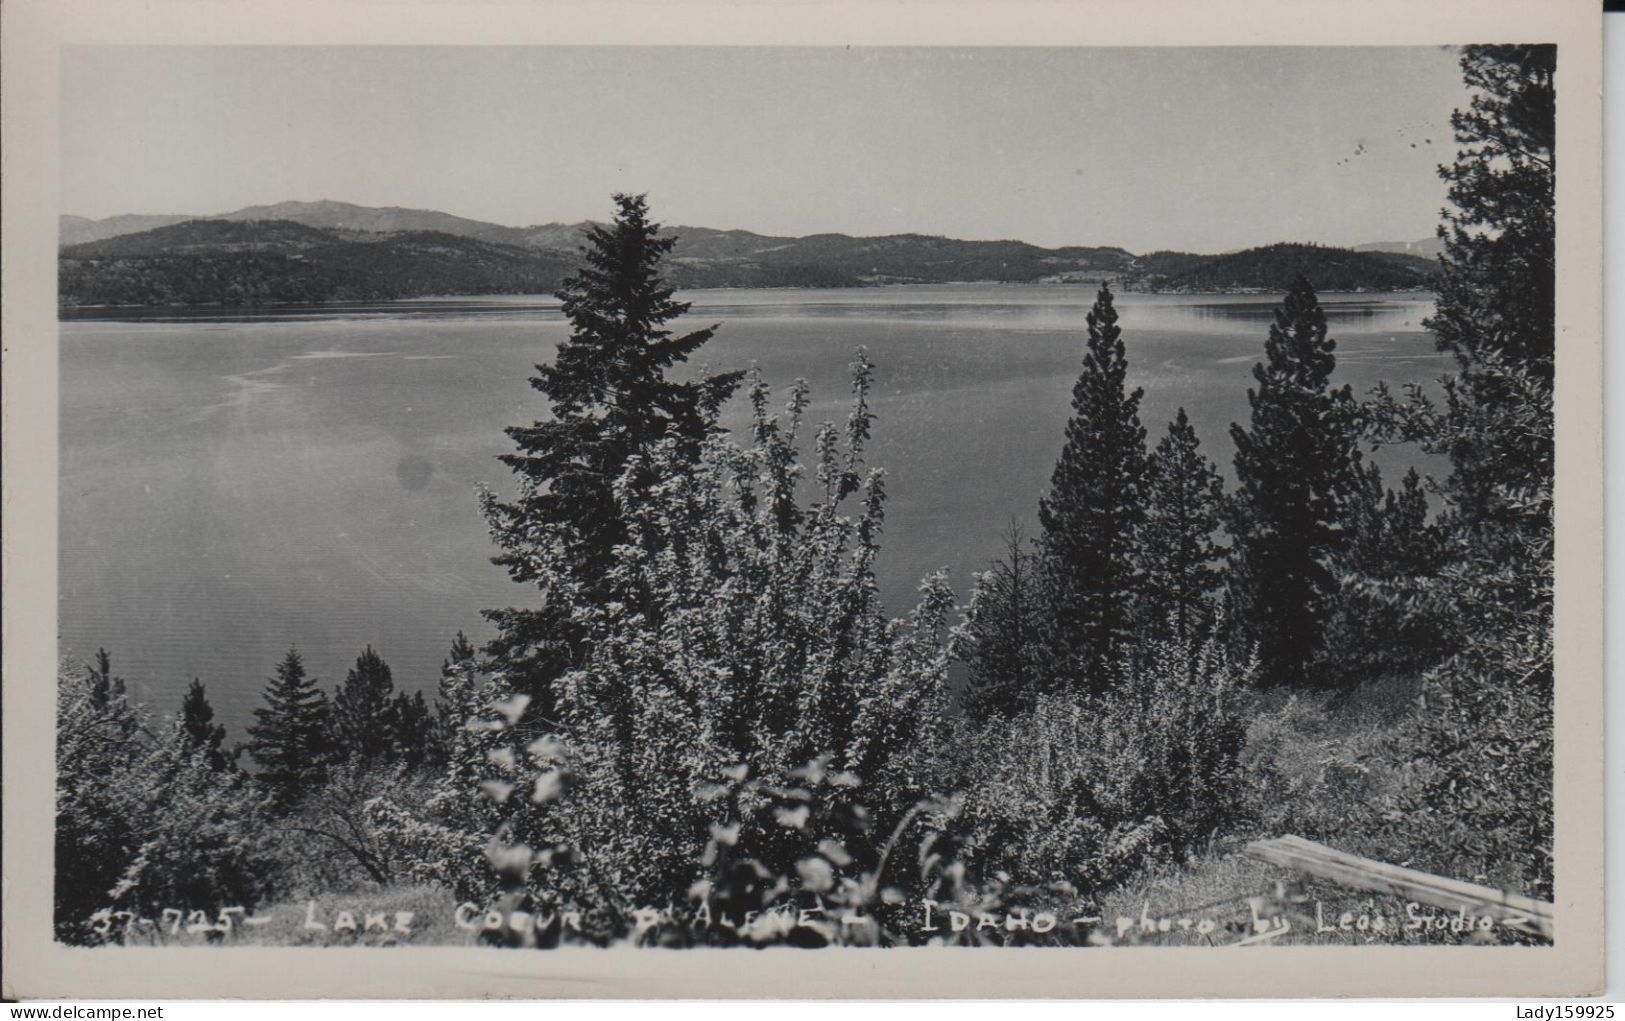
802, 500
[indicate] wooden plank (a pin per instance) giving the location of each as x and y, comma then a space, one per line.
1512, 910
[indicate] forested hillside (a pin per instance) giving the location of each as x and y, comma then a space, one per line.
209, 262
1274, 267
310, 252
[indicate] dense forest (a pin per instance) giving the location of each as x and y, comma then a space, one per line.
698, 725
1274, 267
219, 262
333, 252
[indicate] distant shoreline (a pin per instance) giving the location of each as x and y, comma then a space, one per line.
503, 304
475, 297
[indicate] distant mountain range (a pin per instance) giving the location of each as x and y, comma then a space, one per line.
325, 251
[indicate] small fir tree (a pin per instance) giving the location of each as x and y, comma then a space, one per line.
1002, 641
104, 687
412, 731
457, 693
1378, 628
363, 722
1296, 470
1089, 516
1178, 554
198, 729
290, 741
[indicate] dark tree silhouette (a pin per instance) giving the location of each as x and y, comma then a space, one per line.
104, 687
456, 694
290, 741
413, 741
1485, 739
198, 729
609, 398
1295, 469
363, 723
1496, 287
1378, 628
1178, 554
1094, 504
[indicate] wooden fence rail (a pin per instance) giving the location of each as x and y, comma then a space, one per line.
1524, 914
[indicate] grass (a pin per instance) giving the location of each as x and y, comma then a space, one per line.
1321, 766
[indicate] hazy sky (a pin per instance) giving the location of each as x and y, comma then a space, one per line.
1195, 149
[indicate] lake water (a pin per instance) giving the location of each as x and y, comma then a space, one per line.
233, 484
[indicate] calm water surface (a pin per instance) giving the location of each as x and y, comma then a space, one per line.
232, 484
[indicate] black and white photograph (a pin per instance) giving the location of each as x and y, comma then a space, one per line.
540, 498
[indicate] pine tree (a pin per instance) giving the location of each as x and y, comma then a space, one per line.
198, 729
1295, 469
1495, 307
1415, 546
609, 400
412, 731
1089, 516
1176, 548
363, 723
457, 696
1497, 285
290, 741
1484, 801
104, 687
1002, 641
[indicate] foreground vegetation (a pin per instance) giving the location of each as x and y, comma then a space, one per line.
703, 727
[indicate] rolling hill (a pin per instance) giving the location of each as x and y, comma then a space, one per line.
1272, 268
208, 262
322, 251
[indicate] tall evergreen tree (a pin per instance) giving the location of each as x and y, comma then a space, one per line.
1296, 470
1094, 504
199, 732
609, 400
290, 741
1497, 285
363, 723
1178, 554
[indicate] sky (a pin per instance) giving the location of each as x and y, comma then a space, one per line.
1196, 149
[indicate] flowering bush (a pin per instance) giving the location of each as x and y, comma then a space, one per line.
743, 631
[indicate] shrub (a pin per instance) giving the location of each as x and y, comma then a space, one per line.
740, 630
144, 821
1083, 791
